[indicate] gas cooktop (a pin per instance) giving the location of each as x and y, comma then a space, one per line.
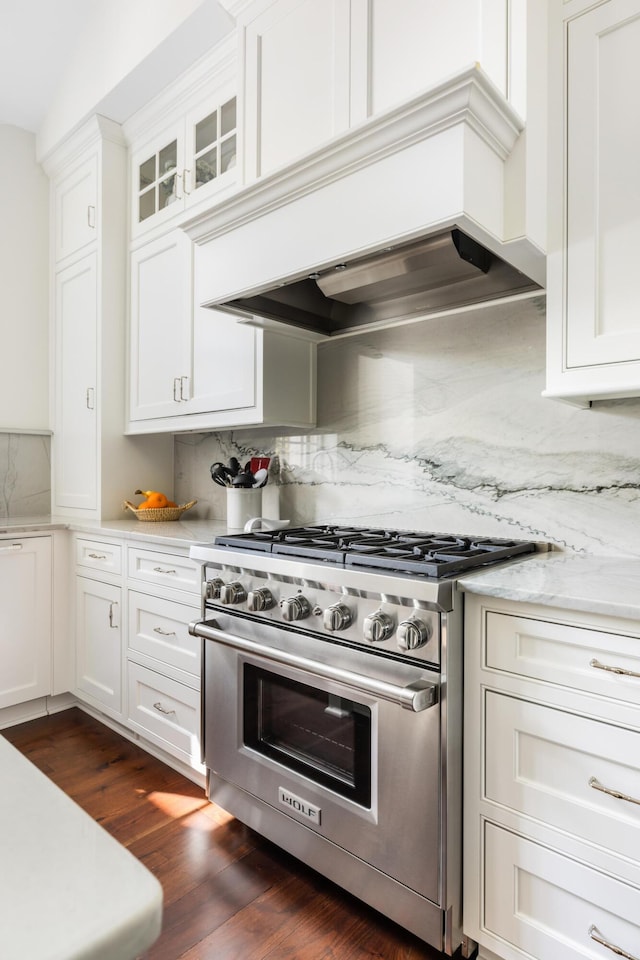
428, 554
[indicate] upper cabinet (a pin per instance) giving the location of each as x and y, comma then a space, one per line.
192, 367
315, 68
185, 163
75, 207
594, 212
94, 466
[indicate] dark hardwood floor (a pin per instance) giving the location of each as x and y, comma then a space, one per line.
228, 893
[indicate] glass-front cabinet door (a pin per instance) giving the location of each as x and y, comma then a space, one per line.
214, 145
185, 163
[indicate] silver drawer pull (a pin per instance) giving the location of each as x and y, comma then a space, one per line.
619, 670
158, 706
12, 549
163, 570
164, 633
596, 785
595, 934
97, 556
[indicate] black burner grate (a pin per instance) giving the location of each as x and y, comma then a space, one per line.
433, 555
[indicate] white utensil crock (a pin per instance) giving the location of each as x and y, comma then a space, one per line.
242, 505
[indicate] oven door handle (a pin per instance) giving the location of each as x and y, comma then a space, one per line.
416, 696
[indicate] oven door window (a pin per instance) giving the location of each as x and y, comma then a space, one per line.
322, 736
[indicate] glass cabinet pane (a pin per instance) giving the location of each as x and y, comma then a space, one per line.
206, 132
169, 158
147, 205
148, 172
206, 167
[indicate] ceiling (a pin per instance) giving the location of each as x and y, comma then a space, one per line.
36, 39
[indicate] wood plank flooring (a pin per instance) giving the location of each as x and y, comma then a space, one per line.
229, 894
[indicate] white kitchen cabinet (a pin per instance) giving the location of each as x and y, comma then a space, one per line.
75, 208
26, 613
75, 479
594, 210
552, 787
94, 465
99, 645
160, 342
314, 68
163, 659
193, 368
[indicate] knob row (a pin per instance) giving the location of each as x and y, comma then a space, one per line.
377, 627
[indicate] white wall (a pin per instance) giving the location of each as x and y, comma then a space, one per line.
24, 302
129, 50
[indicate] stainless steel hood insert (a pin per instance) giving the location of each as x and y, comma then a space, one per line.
446, 271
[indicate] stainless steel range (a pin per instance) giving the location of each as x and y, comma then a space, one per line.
332, 705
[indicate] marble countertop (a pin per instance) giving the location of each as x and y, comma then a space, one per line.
68, 890
586, 582
177, 533
592, 584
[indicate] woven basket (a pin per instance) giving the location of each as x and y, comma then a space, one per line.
159, 513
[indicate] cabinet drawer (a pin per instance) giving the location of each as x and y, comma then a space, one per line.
575, 657
546, 904
552, 765
99, 555
164, 570
166, 712
158, 628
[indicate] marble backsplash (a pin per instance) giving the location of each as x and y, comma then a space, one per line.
440, 425
25, 475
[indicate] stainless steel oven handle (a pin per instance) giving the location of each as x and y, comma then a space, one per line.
415, 696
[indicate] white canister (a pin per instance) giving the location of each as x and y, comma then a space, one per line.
242, 504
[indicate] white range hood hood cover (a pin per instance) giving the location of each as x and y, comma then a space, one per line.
430, 175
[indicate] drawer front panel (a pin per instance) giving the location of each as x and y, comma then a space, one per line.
159, 628
166, 712
574, 657
99, 555
164, 570
548, 905
556, 767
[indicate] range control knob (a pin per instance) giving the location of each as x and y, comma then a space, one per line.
232, 593
259, 600
378, 627
295, 608
413, 633
337, 617
212, 588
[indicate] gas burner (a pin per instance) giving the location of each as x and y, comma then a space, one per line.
427, 554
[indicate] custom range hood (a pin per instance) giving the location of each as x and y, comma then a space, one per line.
443, 272
418, 212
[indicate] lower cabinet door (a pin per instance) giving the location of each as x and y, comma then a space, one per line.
99, 644
25, 619
550, 906
165, 712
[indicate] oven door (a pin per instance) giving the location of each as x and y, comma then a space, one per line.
342, 742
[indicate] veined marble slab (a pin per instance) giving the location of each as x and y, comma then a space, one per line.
603, 585
440, 425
